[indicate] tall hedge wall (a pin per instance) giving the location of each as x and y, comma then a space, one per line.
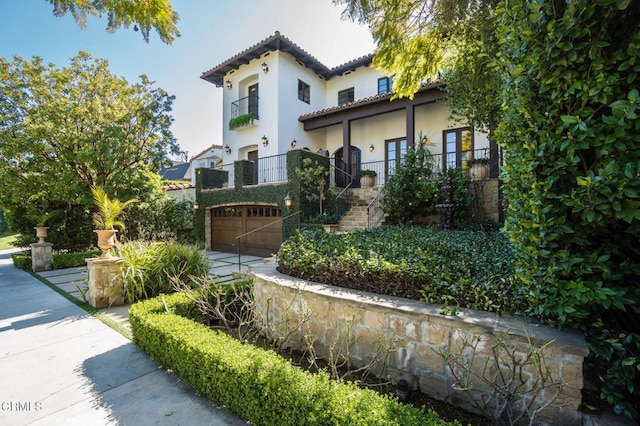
571, 136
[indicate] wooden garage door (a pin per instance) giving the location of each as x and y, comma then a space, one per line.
229, 222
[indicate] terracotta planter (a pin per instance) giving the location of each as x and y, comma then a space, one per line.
106, 240
41, 233
367, 181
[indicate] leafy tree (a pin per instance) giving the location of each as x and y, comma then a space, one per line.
413, 37
472, 72
65, 130
144, 15
314, 179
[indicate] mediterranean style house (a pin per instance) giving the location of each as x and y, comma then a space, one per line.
281, 104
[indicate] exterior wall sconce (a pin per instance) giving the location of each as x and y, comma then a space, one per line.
229, 84
265, 141
425, 140
372, 148
265, 67
196, 205
288, 201
227, 149
293, 144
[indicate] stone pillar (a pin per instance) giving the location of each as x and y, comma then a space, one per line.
41, 257
106, 286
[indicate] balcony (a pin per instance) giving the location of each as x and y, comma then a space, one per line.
273, 169
243, 112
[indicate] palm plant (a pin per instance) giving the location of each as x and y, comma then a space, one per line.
108, 210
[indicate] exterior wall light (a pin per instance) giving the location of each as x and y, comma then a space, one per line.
229, 84
227, 149
372, 148
265, 67
288, 201
425, 140
293, 144
265, 141
196, 205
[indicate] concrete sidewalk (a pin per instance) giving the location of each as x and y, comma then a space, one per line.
61, 366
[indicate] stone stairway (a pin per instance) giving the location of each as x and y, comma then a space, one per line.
356, 218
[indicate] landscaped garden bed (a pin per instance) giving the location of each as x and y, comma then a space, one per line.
459, 269
254, 383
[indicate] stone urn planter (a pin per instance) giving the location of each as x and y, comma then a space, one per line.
478, 168
368, 178
106, 241
41, 233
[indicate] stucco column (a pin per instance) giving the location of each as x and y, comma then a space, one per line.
106, 285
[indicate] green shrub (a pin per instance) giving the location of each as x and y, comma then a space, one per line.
257, 384
70, 260
241, 120
58, 260
149, 267
460, 268
22, 261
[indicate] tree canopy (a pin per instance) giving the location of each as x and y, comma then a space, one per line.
65, 130
143, 15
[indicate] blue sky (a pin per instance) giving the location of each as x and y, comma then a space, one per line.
212, 31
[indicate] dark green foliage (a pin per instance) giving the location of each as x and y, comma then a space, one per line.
161, 219
149, 267
58, 260
414, 189
241, 120
460, 268
21, 261
70, 260
256, 384
4, 226
571, 134
410, 191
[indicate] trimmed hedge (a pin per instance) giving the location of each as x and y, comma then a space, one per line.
58, 260
257, 384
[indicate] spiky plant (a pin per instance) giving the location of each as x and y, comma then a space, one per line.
108, 210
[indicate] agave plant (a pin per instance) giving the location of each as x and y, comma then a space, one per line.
108, 210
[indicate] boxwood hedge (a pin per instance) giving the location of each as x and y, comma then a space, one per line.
257, 384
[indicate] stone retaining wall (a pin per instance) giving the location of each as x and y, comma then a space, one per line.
418, 338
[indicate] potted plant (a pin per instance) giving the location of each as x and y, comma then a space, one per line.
41, 230
106, 218
368, 178
41, 220
478, 169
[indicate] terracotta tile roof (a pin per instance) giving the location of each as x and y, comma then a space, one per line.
364, 101
175, 186
205, 151
279, 42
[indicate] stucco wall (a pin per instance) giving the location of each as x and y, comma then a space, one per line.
418, 335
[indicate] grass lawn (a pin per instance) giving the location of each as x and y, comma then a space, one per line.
5, 241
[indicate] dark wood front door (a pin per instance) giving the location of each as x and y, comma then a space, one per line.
227, 223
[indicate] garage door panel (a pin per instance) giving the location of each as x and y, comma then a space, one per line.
229, 222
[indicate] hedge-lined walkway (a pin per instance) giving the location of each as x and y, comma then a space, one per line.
60, 365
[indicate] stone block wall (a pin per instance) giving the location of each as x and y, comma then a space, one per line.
412, 340
488, 198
